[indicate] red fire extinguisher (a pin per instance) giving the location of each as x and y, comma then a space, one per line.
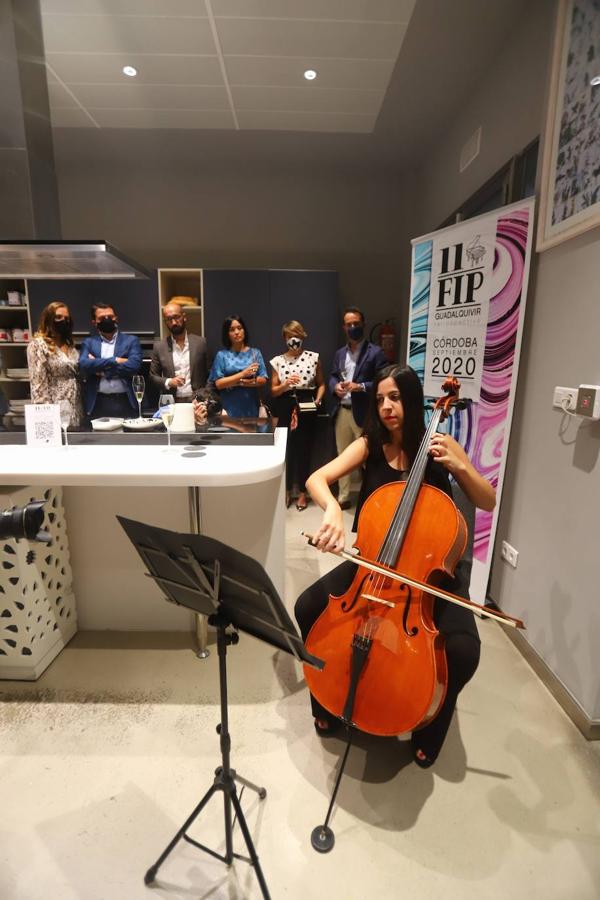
386, 338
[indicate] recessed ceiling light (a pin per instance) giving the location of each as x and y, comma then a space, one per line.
595, 81
310, 74
129, 70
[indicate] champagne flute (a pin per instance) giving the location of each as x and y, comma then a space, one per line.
139, 385
166, 406
65, 418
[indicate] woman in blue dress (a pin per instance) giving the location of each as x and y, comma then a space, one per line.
238, 371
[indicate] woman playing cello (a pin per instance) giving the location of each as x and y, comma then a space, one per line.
394, 431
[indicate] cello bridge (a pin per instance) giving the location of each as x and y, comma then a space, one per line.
378, 600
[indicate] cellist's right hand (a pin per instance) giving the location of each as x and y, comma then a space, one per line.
330, 537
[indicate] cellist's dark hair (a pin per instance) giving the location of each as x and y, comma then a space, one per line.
413, 402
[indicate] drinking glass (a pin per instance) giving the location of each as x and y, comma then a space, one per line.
139, 385
65, 418
166, 406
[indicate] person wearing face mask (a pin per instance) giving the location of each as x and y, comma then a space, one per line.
54, 362
297, 386
179, 364
108, 361
354, 368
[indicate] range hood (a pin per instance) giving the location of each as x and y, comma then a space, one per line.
65, 259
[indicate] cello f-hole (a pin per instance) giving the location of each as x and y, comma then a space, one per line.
348, 607
411, 632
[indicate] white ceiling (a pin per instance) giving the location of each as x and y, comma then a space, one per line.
224, 64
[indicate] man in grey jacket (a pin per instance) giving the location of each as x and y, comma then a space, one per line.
180, 363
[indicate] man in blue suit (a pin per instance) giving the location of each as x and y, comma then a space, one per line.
354, 367
108, 361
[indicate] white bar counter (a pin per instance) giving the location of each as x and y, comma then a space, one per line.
212, 465
242, 490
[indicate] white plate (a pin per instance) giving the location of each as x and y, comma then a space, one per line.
141, 424
106, 424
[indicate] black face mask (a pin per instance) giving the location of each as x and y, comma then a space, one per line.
177, 329
63, 328
107, 325
355, 332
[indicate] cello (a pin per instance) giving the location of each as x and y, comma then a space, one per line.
385, 669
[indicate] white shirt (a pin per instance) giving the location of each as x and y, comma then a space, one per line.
181, 365
114, 385
349, 370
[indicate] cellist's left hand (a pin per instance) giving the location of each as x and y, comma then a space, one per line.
445, 450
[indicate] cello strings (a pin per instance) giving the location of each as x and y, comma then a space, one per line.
393, 541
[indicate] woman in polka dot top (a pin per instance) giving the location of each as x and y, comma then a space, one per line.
296, 378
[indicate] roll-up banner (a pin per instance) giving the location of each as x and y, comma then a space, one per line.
467, 307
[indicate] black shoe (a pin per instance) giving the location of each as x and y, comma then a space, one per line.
329, 729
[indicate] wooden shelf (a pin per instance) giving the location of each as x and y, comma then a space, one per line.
11, 307
182, 283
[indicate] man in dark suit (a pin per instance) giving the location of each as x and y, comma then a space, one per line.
108, 361
179, 363
354, 367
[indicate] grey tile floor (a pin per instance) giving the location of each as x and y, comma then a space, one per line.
104, 757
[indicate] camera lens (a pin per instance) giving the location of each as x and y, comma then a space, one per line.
24, 522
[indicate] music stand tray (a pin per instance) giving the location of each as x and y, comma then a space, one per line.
233, 590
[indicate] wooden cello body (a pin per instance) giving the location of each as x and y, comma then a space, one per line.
385, 666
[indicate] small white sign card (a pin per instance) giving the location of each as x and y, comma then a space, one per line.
42, 425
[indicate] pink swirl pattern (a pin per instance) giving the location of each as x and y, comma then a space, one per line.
484, 429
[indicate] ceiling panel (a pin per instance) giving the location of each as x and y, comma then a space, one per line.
59, 95
365, 74
304, 121
359, 10
73, 117
107, 68
184, 75
305, 98
163, 118
293, 37
126, 7
142, 34
151, 96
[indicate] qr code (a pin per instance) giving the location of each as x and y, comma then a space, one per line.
44, 432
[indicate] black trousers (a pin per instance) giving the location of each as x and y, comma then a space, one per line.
454, 622
115, 406
299, 451
300, 441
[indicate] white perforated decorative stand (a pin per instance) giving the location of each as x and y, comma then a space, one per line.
37, 606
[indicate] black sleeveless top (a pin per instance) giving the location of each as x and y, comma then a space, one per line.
377, 472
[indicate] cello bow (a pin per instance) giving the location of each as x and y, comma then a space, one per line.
477, 608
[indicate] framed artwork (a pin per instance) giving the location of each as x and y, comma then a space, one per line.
570, 195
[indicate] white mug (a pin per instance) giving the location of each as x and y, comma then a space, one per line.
183, 417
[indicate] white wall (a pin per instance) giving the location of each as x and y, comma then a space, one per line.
550, 501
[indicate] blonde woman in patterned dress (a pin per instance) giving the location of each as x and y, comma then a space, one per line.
54, 362
297, 376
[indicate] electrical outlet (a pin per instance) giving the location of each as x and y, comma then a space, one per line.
565, 398
509, 554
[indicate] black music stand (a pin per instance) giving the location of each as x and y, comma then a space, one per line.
232, 589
